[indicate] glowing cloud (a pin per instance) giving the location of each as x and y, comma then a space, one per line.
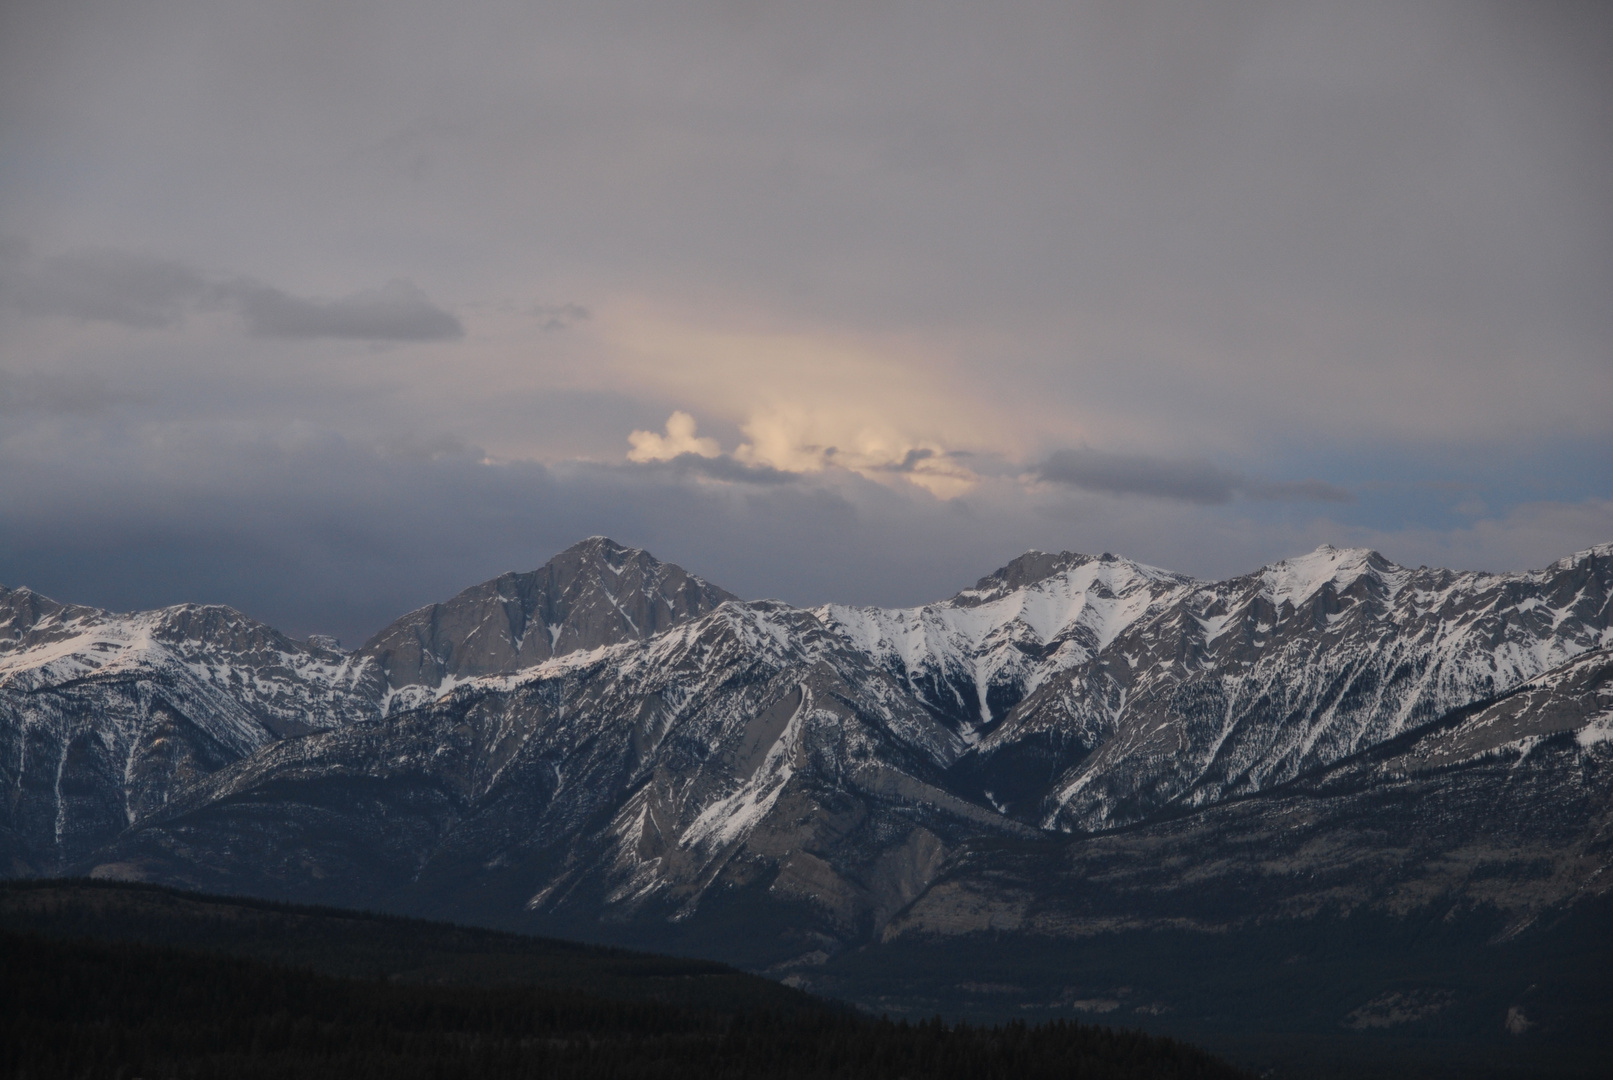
801, 440
680, 439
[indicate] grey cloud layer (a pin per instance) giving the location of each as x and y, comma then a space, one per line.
1185, 480
145, 291
1227, 242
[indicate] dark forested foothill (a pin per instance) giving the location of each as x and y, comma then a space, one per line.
122, 1007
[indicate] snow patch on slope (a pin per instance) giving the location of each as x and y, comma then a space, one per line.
732, 818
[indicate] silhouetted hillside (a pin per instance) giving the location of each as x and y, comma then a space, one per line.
97, 987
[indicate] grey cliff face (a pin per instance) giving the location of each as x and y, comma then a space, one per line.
611, 747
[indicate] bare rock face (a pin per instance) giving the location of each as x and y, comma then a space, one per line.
593, 594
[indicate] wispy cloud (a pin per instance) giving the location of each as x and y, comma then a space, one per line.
561, 316
318, 532
681, 450
721, 467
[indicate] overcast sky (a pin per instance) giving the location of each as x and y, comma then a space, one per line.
329, 310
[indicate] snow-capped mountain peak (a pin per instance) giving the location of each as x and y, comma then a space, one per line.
1296, 580
974, 656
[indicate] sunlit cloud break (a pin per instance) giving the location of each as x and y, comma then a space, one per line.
781, 443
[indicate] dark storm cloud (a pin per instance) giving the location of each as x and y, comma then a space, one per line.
314, 532
399, 311
100, 285
1135, 474
1165, 478
141, 290
325, 535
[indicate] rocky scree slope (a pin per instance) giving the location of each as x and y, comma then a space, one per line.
612, 747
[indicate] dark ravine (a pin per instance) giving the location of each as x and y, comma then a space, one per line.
1076, 752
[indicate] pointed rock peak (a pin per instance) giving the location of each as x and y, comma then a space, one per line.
601, 547
1028, 569
21, 609
23, 593
1035, 567
601, 553
601, 564
326, 643
216, 625
593, 594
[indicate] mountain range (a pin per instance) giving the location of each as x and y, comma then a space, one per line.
1075, 749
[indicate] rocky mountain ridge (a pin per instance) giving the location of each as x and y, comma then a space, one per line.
612, 747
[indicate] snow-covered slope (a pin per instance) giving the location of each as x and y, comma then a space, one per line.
104, 716
1497, 813
1243, 684
973, 657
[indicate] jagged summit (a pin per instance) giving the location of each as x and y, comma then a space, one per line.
1035, 567
596, 592
1578, 558
30, 620
972, 658
1027, 569
1295, 580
